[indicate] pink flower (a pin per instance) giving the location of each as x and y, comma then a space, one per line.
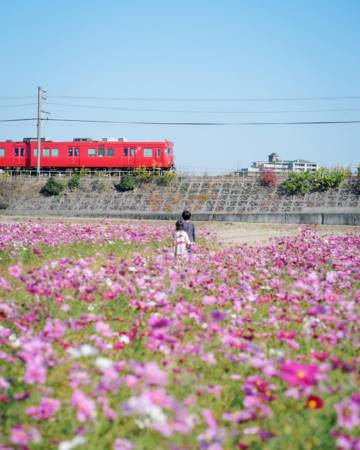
15, 271
47, 408
123, 444
348, 413
296, 374
23, 436
86, 407
35, 373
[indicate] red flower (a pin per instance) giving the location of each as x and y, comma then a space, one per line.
314, 402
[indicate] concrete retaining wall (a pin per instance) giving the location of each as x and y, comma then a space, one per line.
286, 218
208, 198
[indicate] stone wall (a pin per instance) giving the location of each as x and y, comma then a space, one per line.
210, 197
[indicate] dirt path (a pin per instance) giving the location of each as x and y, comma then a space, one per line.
230, 233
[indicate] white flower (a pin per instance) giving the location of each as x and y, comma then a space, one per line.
103, 363
82, 351
14, 340
124, 338
69, 445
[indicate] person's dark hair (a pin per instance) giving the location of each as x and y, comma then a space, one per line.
179, 225
186, 215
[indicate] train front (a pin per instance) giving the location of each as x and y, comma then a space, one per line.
169, 157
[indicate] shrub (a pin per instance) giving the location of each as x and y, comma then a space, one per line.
325, 179
127, 183
3, 204
268, 179
166, 178
143, 175
296, 183
52, 187
357, 184
74, 182
321, 180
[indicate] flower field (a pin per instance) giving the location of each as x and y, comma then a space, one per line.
108, 343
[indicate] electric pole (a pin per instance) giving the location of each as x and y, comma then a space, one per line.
39, 119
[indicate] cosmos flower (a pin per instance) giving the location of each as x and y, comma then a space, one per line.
348, 413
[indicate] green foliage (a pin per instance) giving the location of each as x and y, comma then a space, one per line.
3, 204
143, 175
296, 183
52, 187
325, 179
319, 181
74, 182
357, 184
166, 179
127, 183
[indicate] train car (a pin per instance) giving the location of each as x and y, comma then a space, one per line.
86, 153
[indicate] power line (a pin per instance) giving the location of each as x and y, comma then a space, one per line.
15, 106
206, 112
17, 98
319, 122
243, 99
17, 120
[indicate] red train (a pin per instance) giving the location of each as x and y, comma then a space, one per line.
106, 153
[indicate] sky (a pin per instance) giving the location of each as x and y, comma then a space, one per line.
186, 61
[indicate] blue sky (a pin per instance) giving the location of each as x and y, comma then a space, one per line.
179, 50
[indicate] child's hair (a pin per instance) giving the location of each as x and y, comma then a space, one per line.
179, 225
186, 215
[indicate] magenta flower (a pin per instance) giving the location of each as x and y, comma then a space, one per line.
296, 374
348, 413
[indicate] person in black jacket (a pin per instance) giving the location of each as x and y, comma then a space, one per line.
189, 227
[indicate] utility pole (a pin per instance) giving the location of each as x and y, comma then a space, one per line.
39, 119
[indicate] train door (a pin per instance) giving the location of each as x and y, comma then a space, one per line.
131, 161
18, 155
158, 156
73, 156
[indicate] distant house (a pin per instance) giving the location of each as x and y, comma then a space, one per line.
275, 164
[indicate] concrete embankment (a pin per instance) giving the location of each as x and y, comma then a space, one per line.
209, 198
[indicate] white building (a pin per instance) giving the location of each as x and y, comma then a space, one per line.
275, 164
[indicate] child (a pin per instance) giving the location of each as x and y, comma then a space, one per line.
181, 239
189, 227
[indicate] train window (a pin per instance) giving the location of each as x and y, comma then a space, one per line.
2, 152
16, 152
159, 152
76, 152
132, 151
22, 152
46, 152
70, 151
91, 152
101, 152
126, 152
54, 152
148, 152
109, 152
35, 151
168, 151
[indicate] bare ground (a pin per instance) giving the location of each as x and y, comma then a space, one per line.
229, 233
